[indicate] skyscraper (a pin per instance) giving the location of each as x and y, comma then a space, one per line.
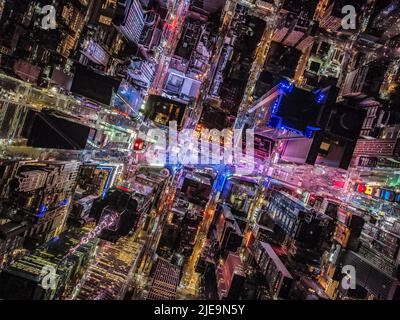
129, 19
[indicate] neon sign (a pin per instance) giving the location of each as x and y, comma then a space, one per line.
220, 183
106, 223
109, 177
385, 194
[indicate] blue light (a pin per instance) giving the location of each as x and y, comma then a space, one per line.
104, 194
277, 104
64, 203
55, 239
310, 130
275, 122
220, 183
42, 211
174, 167
321, 98
390, 8
286, 86
283, 127
266, 182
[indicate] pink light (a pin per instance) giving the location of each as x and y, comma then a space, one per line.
339, 184
107, 222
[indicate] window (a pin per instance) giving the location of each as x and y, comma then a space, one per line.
108, 3
105, 20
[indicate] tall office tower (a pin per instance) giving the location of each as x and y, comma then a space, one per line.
28, 47
188, 230
166, 281
278, 278
191, 56
332, 16
152, 31
296, 28
36, 202
370, 84
141, 72
228, 233
330, 129
73, 17
39, 129
170, 232
372, 249
15, 18
384, 21
11, 117
129, 19
301, 224
25, 278
207, 6
235, 62
109, 276
101, 44
230, 278
366, 81
180, 232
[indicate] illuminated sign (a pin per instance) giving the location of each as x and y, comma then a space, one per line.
368, 190
385, 194
111, 175
249, 239
122, 188
342, 235
339, 184
361, 188
388, 195
220, 183
344, 216
106, 223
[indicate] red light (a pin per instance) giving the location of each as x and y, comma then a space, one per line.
361, 188
338, 184
121, 113
174, 23
138, 146
123, 188
249, 239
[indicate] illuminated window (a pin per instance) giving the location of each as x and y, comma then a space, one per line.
105, 20
109, 3
325, 146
